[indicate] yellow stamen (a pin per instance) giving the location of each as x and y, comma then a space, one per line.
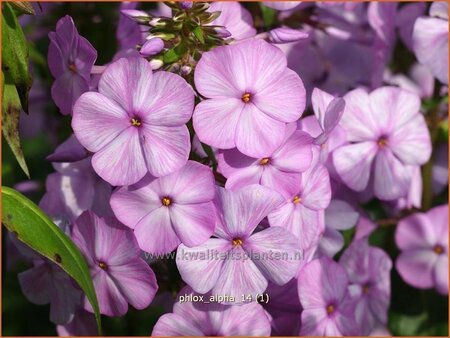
237, 242
135, 122
246, 97
438, 249
296, 200
166, 201
264, 161
330, 309
103, 265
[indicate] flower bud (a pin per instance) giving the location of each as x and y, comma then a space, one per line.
222, 32
152, 47
137, 15
156, 64
185, 70
285, 35
186, 4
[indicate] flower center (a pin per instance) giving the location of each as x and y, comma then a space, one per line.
365, 288
264, 161
330, 309
135, 122
103, 265
166, 201
382, 142
237, 242
438, 249
246, 97
296, 200
73, 67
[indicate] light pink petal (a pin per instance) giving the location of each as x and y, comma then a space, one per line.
194, 183
131, 205
243, 210
333, 114
320, 282
121, 162
171, 325
97, 120
155, 234
417, 232
439, 9
341, 215
110, 299
295, 154
67, 89
128, 81
353, 163
257, 134
215, 121
314, 322
193, 223
136, 281
320, 101
411, 143
441, 274
392, 180
233, 161
280, 243
166, 149
103, 239
244, 177
430, 41
286, 183
331, 242
239, 276
171, 102
417, 267
283, 100
358, 120
245, 320
200, 267
316, 193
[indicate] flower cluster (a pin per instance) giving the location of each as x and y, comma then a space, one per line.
245, 167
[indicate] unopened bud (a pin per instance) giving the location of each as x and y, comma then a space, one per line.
156, 64
186, 4
137, 15
286, 35
152, 47
185, 70
222, 32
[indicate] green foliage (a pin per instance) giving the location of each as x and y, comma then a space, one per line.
31, 226
16, 80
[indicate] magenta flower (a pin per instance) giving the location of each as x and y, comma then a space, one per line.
430, 40
252, 95
120, 276
136, 122
328, 309
303, 212
47, 283
239, 262
212, 319
386, 134
170, 210
369, 272
280, 171
423, 241
282, 5
70, 59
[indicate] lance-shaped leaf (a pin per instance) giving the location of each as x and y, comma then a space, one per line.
34, 228
24, 7
15, 54
11, 108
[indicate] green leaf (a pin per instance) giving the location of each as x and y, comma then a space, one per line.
198, 32
24, 7
175, 53
11, 108
33, 227
269, 16
15, 54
